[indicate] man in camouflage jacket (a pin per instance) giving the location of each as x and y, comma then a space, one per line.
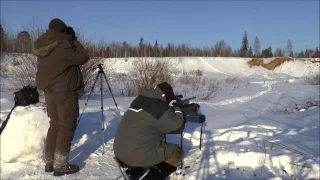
139, 139
59, 56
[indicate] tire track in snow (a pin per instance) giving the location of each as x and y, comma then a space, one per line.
214, 69
242, 99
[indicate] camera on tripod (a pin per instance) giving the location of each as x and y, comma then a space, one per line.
102, 76
99, 66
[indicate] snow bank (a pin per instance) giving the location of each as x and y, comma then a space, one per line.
223, 66
23, 137
298, 68
231, 66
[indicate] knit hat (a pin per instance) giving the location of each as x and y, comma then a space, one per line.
57, 25
166, 88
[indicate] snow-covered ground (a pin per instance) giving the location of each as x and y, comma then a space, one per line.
260, 125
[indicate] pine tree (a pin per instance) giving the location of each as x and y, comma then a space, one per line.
156, 49
307, 53
301, 54
141, 47
169, 50
267, 53
263, 53
244, 47
250, 54
156, 45
270, 54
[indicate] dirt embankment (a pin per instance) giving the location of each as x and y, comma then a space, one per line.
273, 64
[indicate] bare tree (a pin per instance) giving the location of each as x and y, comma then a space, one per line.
278, 52
146, 72
34, 29
4, 62
2, 37
228, 51
256, 47
24, 73
24, 43
220, 48
125, 48
88, 69
19, 43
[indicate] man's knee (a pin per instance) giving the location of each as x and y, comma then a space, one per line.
68, 112
178, 153
176, 157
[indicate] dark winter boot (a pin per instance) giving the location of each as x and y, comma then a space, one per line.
165, 169
135, 173
66, 169
48, 167
154, 174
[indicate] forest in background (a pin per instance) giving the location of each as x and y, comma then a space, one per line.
22, 42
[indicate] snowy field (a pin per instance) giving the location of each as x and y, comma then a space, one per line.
260, 125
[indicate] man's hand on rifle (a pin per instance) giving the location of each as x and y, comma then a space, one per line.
187, 108
178, 104
190, 108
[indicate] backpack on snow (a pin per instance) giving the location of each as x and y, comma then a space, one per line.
26, 96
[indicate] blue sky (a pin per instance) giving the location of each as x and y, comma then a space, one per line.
197, 23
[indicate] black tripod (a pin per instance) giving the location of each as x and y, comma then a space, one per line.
100, 73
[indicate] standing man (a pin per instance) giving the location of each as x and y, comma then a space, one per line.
59, 56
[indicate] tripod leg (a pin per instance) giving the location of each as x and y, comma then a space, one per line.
102, 129
105, 77
181, 143
86, 103
201, 136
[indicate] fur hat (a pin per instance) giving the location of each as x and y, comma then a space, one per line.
166, 88
57, 25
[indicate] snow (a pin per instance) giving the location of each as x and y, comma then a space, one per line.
23, 121
259, 126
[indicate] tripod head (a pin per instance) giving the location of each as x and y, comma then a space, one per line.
99, 66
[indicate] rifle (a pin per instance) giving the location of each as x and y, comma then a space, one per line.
194, 117
180, 101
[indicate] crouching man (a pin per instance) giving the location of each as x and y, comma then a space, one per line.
139, 139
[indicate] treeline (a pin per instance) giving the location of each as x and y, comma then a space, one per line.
22, 42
